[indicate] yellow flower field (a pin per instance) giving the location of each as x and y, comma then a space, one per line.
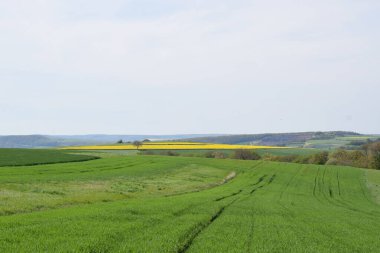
167, 146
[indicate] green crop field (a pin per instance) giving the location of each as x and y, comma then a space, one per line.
187, 204
17, 157
261, 151
338, 142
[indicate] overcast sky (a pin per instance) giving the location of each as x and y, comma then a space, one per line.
189, 66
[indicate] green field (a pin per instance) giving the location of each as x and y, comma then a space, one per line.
260, 151
338, 142
18, 157
180, 204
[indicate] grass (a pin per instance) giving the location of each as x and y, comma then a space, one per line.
104, 153
19, 157
289, 151
373, 183
181, 204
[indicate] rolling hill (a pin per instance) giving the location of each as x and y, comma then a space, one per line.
301, 139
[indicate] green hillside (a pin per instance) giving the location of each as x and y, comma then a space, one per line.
318, 140
180, 204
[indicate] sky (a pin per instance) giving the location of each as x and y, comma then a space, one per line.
181, 66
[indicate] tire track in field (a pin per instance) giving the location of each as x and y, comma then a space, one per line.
338, 180
288, 211
252, 226
293, 217
259, 184
320, 178
256, 165
316, 184
337, 201
329, 198
231, 195
289, 182
250, 235
193, 234
316, 181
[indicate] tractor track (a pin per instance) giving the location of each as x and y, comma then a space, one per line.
201, 227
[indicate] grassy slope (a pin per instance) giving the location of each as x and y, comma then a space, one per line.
33, 188
18, 157
373, 183
268, 207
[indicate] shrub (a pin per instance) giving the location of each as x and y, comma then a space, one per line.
209, 154
319, 158
373, 152
245, 154
348, 158
219, 155
215, 154
171, 153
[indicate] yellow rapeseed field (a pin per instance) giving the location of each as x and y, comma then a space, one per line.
168, 145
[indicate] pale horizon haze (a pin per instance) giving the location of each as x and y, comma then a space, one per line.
189, 67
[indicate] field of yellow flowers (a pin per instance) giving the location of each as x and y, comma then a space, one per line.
169, 146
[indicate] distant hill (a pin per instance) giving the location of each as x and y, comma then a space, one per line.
275, 139
325, 140
27, 141
46, 141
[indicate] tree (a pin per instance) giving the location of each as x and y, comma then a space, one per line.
245, 154
137, 144
119, 142
319, 158
349, 158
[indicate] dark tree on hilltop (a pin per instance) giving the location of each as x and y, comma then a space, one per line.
119, 142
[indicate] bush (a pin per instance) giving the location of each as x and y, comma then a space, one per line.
373, 152
302, 159
209, 154
245, 154
348, 158
220, 155
319, 158
215, 154
332, 161
171, 153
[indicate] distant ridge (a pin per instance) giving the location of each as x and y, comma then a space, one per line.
273, 139
268, 139
48, 141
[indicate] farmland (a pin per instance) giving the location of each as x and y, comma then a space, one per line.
17, 157
229, 152
170, 146
186, 204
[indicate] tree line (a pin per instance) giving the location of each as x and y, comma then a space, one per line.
367, 157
